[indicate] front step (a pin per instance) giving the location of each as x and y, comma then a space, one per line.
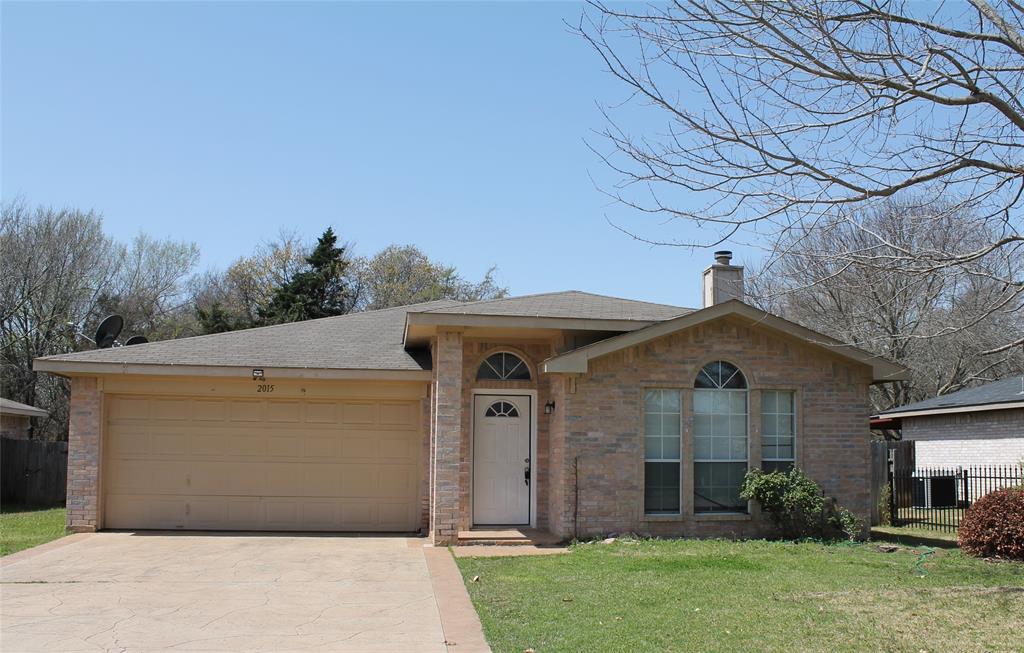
506, 537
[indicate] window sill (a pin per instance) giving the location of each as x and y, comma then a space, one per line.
677, 517
722, 516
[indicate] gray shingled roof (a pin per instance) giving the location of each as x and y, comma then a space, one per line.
1005, 391
358, 341
568, 304
11, 407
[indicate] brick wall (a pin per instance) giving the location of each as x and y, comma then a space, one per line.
987, 424
447, 438
14, 427
600, 424
84, 441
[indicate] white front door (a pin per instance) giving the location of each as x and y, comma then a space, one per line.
501, 460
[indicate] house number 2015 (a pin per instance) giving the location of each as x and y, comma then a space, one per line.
265, 387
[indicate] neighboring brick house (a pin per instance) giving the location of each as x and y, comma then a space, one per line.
970, 427
572, 413
16, 419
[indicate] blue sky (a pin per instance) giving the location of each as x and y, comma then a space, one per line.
456, 127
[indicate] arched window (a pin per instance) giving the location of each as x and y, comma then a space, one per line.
501, 409
503, 366
720, 438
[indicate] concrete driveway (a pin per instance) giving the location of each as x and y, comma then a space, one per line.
130, 593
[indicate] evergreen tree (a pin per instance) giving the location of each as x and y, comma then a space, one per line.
321, 290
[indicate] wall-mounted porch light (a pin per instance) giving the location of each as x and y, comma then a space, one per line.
257, 374
549, 408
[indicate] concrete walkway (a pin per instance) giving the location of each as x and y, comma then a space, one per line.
131, 593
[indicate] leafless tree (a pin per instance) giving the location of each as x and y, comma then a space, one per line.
936, 324
59, 273
783, 119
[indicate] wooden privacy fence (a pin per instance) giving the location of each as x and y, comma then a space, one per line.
33, 473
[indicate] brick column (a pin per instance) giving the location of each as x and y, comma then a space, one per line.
447, 450
84, 437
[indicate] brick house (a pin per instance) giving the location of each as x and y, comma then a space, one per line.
16, 419
572, 413
974, 426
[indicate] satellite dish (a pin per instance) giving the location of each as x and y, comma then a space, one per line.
136, 340
108, 330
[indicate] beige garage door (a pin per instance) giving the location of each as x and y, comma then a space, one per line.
241, 464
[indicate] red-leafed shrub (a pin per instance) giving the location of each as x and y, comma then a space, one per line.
994, 525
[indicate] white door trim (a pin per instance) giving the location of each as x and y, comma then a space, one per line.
533, 443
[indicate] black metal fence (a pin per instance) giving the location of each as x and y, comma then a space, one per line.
937, 498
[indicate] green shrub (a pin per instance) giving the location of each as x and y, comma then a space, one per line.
797, 508
994, 525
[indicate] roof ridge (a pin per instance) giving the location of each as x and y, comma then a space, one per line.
267, 327
566, 292
503, 299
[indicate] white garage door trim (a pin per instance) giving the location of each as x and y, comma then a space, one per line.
236, 463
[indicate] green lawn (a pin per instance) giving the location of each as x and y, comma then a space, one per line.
713, 595
27, 528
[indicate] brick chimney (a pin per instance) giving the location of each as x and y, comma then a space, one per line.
723, 280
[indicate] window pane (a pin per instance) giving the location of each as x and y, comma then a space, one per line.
785, 424
661, 488
670, 401
702, 425
652, 448
778, 421
721, 403
703, 401
652, 400
670, 424
738, 403
738, 449
652, 424
777, 465
717, 487
738, 426
702, 448
670, 447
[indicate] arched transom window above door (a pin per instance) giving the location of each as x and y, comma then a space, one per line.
501, 409
503, 366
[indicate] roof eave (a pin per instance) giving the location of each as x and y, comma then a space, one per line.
946, 410
81, 368
464, 320
25, 412
577, 361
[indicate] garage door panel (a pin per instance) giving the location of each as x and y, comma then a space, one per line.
321, 412
396, 481
228, 478
144, 511
171, 410
150, 477
322, 447
210, 410
283, 411
246, 410
209, 463
359, 413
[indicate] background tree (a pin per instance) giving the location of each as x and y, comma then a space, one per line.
59, 274
402, 274
233, 299
783, 120
321, 290
936, 324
